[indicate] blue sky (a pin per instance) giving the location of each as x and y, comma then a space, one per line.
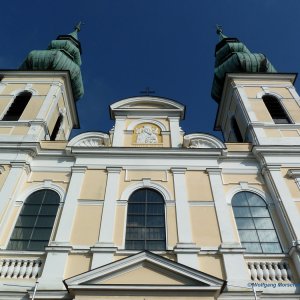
167, 45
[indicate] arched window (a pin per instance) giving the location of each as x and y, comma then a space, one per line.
145, 228
254, 223
17, 107
276, 110
34, 225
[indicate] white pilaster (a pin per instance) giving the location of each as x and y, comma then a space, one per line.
17, 175
118, 138
52, 96
287, 210
105, 248
175, 132
185, 249
64, 229
231, 250
222, 209
275, 181
54, 268
2, 87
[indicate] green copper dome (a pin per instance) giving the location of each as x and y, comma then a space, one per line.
232, 56
62, 54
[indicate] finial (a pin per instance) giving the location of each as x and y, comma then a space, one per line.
220, 32
78, 26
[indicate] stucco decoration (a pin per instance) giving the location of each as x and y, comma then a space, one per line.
90, 139
202, 140
147, 134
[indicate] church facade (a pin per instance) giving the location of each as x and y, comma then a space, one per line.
147, 212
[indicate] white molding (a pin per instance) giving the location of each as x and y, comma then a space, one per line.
203, 140
139, 259
164, 107
27, 88
202, 203
146, 184
90, 139
90, 202
135, 122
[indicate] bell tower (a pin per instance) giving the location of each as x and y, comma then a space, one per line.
38, 100
256, 104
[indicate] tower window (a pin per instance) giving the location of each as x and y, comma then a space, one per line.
254, 223
34, 225
56, 128
276, 110
145, 228
17, 107
236, 130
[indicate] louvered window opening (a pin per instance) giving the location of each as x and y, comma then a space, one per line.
17, 107
254, 223
276, 110
35, 222
145, 228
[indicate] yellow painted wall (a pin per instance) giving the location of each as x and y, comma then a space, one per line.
86, 225
4, 174
252, 91
94, 185
293, 109
236, 178
172, 237
205, 226
4, 103
198, 186
243, 147
120, 223
213, 265
9, 225
54, 176
282, 91
77, 264
20, 130
58, 145
41, 88
260, 110
11, 87
168, 185
32, 108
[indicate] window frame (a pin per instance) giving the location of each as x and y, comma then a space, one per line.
165, 219
281, 105
12, 102
21, 201
267, 205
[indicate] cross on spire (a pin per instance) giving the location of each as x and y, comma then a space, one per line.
220, 32
147, 91
78, 26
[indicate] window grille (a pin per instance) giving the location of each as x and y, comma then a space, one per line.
34, 225
145, 228
254, 223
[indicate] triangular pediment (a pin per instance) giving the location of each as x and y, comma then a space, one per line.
144, 271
